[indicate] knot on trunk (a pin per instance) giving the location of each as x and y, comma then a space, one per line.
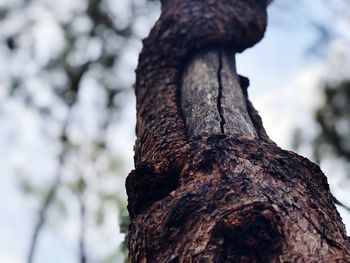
147, 184
250, 234
241, 22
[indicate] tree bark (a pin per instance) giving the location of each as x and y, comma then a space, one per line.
208, 184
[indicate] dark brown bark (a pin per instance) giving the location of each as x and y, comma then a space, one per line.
208, 184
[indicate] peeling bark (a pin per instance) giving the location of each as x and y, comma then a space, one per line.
208, 184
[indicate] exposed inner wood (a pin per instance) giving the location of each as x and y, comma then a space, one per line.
233, 102
212, 100
200, 92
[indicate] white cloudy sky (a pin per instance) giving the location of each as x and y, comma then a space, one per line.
283, 88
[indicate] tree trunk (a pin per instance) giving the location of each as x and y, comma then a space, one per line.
208, 184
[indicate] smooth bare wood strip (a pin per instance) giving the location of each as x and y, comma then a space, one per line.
212, 100
199, 94
233, 102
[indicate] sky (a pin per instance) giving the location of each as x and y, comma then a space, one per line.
284, 88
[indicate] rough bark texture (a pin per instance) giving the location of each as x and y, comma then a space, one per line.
201, 192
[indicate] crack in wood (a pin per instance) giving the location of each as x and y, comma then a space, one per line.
211, 98
220, 110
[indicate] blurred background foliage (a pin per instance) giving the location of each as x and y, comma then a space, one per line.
329, 142
67, 64
68, 67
